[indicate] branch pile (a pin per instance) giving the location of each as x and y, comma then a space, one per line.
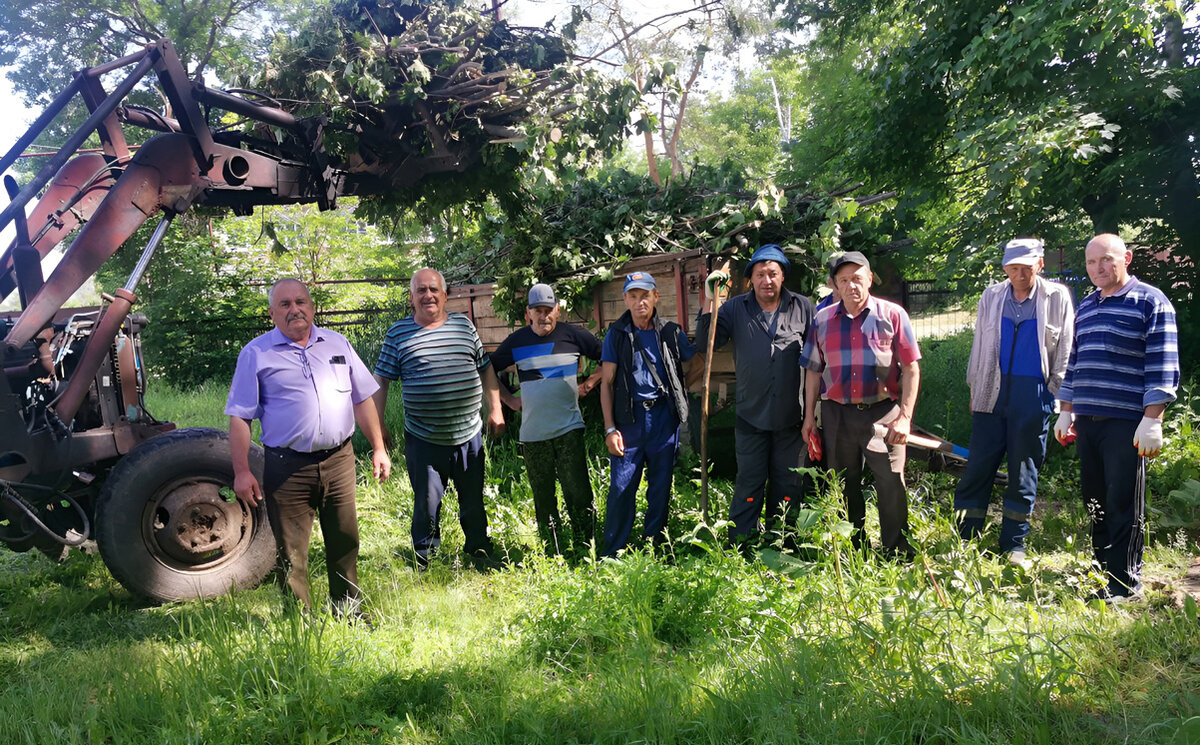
415, 89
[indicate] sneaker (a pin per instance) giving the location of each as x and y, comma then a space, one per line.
424, 556
1120, 598
1017, 558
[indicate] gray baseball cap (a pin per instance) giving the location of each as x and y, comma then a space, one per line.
1026, 251
849, 257
542, 296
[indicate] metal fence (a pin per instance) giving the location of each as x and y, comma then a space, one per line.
938, 309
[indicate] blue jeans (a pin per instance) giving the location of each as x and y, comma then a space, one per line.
430, 468
1017, 426
651, 443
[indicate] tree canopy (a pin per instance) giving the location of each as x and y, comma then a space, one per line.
1011, 118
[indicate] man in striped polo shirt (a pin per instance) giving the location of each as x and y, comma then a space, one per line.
444, 373
1123, 372
867, 355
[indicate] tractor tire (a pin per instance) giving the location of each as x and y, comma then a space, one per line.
169, 527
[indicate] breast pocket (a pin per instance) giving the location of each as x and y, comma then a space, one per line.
1053, 333
1123, 337
341, 377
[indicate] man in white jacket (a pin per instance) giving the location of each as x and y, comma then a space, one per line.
1023, 334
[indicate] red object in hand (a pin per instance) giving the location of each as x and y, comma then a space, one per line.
814, 445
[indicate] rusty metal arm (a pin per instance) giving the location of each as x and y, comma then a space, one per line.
68, 402
161, 176
96, 120
72, 197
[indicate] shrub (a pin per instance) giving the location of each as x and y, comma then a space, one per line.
944, 404
573, 617
1173, 478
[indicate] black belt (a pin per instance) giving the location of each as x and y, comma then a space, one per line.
862, 406
313, 454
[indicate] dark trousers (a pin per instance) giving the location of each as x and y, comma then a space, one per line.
561, 459
651, 443
1113, 481
763, 453
1017, 426
852, 435
430, 469
297, 486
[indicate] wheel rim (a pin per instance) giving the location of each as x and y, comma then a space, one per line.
189, 526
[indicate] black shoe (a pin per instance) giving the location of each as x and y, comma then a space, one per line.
361, 618
485, 562
350, 610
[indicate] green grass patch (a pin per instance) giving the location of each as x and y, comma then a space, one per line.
699, 645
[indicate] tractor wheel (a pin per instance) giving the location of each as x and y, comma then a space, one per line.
169, 527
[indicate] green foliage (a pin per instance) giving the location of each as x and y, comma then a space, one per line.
832, 647
43, 44
944, 405
1173, 478
586, 230
742, 126
575, 618
206, 289
1047, 118
436, 104
201, 314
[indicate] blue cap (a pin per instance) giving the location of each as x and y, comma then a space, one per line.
639, 281
769, 252
541, 295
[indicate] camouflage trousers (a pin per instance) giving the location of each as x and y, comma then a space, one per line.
561, 460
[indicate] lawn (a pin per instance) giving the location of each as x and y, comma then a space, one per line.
699, 646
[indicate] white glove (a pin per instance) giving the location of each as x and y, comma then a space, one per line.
1148, 437
1064, 428
716, 279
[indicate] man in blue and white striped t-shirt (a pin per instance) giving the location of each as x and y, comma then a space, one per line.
444, 372
1122, 374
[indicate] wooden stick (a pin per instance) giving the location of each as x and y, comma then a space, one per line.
708, 359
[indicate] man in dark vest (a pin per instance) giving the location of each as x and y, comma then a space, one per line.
643, 398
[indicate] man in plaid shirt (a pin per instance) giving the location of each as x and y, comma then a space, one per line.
867, 356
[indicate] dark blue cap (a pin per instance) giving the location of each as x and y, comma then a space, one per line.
769, 252
639, 281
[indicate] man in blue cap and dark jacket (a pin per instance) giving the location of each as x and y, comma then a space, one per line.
768, 326
644, 400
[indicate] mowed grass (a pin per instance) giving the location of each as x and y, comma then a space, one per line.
701, 647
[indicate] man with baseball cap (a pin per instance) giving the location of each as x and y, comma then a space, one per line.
768, 326
547, 355
1023, 332
644, 400
866, 354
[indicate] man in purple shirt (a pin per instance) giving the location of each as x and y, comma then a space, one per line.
867, 354
308, 388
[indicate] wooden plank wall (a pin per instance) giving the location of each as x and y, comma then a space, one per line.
680, 280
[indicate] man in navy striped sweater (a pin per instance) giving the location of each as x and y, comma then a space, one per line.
1123, 372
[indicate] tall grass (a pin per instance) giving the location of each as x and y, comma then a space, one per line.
698, 646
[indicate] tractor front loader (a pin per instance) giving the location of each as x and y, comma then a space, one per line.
82, 462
